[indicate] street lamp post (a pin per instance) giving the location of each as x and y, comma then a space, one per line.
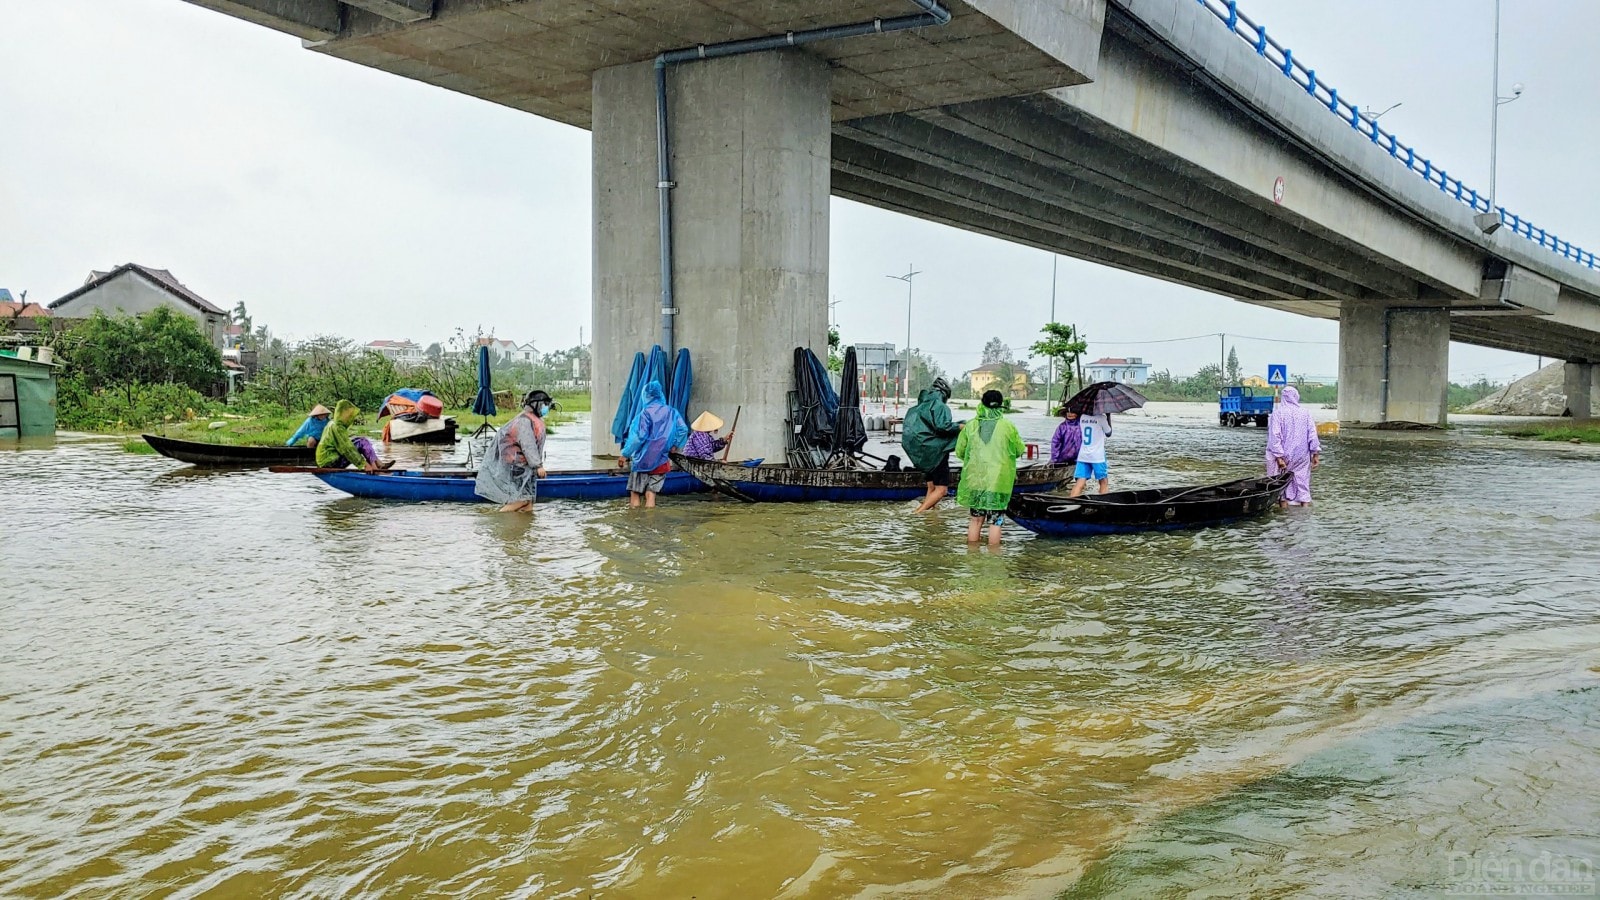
906, 375
1489, 222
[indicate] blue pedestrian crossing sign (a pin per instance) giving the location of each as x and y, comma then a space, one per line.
1277, 375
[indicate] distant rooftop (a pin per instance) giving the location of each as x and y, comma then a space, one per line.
162, 277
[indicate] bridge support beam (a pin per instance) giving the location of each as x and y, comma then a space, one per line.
1394, 364
751, 143
1581, 388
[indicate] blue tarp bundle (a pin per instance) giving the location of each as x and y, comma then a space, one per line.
628, 405
483, 403
682, 383
677, 384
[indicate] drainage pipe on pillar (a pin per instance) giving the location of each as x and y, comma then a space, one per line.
932, 14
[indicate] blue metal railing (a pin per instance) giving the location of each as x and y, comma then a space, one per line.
1282, 58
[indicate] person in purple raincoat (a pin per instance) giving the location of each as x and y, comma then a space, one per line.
1292, 447
1068, 438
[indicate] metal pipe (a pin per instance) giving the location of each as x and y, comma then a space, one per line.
933, 13
664, 187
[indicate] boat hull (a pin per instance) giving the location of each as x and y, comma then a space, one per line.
1162, 509
433, 431
198, 453
790, 484
421, 487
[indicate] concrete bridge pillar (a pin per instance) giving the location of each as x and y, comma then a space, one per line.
1580, 384
1394, 364
751, 156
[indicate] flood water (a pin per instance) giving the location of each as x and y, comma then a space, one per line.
243, 684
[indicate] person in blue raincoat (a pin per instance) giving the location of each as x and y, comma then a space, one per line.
656, 431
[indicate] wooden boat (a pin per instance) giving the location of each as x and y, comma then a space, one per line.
793, 484
199, 453
433, 431
455, 485
1157, 509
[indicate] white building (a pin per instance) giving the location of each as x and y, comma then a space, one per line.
133, 290
527, 353
399, 351
1132, 370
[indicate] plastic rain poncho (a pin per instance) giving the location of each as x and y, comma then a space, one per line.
988, 448
1292, 437
657, 430
928, 432
509, 471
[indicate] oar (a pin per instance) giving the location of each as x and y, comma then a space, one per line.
728, 447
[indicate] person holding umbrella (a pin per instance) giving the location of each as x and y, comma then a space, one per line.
1094, 406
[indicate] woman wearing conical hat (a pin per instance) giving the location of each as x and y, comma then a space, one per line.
704, 443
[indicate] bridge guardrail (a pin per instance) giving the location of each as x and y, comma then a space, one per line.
1282, 58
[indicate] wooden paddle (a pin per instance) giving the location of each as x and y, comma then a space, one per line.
728, 448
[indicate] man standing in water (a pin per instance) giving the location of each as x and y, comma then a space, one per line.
928, 436
657, 430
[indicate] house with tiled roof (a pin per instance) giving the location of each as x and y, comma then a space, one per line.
133, 289
404, 351
1131, 370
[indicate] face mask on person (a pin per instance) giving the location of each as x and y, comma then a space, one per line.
543, 410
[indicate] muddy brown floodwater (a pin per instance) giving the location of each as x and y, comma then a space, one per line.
243, 684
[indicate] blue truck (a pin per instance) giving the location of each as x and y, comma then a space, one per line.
1241, 405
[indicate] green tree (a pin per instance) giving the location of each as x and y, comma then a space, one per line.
924, 369
1203, 384
996, 351
1234, 375
835, 351
1065, 346
159, 347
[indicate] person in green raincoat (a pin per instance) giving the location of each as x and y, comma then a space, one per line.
927, 436
338, 449
988, 448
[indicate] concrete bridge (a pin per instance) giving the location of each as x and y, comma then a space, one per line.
1175, 138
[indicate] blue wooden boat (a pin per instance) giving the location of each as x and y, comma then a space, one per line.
1156, 509
794, 484
456, 485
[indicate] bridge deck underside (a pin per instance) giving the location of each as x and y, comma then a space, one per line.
1036, 171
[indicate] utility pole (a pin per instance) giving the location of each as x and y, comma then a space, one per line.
1222, 361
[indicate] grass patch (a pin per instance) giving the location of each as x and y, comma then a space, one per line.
139, 447
1572, 432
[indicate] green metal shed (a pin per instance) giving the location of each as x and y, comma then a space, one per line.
27, 397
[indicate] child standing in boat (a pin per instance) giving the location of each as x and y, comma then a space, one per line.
1095, 429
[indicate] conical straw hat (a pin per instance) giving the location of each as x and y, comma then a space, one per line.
320, 410
706, 422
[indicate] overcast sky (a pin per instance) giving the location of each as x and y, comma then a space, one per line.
332, 198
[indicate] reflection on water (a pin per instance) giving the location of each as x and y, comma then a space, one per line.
249, 684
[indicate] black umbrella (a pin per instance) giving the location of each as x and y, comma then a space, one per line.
1104, 397
849, 430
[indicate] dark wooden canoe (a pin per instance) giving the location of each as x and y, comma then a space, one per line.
1155, 509
791, 484
199, 453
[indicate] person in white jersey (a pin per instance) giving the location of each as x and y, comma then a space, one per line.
1092, 454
